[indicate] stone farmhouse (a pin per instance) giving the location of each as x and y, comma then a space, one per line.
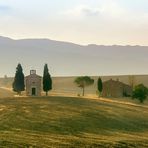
112, 88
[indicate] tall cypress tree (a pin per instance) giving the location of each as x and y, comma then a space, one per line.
18, 83
47, 81
100, 86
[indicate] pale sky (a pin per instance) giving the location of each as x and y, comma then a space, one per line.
107, 22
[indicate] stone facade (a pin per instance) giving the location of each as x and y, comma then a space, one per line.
33, 84
112, 88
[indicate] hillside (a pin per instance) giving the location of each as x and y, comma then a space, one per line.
68, 59
71, 122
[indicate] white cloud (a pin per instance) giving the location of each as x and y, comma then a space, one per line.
109, 8
82, 11
109, 11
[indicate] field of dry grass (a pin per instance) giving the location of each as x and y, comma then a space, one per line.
71, 122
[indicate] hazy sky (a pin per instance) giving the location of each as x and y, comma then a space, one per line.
80, 21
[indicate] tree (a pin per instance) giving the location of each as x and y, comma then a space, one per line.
83, 81
100, 86
18, 83
47, 81
132, 81
140, 92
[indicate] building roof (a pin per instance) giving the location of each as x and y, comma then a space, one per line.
33, 75
115, 82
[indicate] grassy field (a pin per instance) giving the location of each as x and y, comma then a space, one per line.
71, 122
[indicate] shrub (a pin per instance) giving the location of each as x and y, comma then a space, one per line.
140, 92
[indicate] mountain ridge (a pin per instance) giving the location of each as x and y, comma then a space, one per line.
66, 59
47, 39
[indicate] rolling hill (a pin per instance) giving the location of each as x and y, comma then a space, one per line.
71, 122
68, 59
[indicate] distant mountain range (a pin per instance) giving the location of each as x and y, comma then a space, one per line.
66, 58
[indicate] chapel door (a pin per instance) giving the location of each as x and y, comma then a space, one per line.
33, 91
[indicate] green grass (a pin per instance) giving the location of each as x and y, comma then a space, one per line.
71, 122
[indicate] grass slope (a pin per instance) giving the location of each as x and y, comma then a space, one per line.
71, 122
5, 93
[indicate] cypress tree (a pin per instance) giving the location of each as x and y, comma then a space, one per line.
18, 83
100, 86
47, 81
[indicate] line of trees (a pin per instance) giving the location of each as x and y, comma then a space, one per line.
19, 80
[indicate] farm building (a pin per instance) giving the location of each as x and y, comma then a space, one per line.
112, 88
33, 84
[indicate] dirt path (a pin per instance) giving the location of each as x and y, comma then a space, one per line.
120, 102
6, 88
